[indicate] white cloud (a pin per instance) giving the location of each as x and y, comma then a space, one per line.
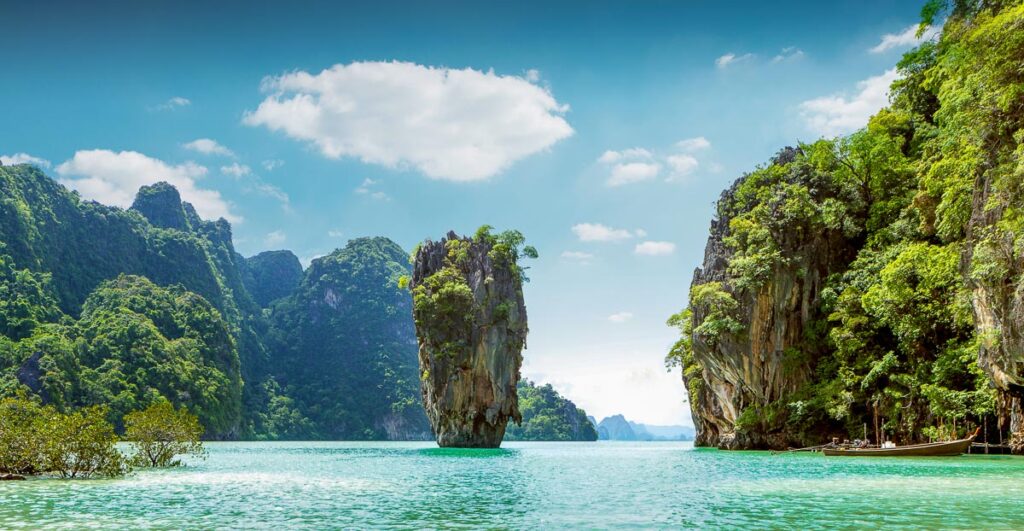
639, 164
681, 166
208, 146
451, 124
273, 192
905, 38
697, 143
23, 158
633, 172
651, 248
620, 317
731, 59
533, 75
174, 103
611, 156
275, 238
272, 164
837, 114
335, 233
113, 178
236, 170
640, 233
366, 188
787, 54
577, 256
596, 232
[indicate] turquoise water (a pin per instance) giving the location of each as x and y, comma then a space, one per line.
530, 485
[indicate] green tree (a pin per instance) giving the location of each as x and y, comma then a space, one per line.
160, 433
82, 444
22, 435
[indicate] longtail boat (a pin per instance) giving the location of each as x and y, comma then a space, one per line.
935, 449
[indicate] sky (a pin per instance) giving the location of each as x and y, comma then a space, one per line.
604, 131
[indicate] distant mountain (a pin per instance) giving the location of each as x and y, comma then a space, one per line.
663, 433
617, 428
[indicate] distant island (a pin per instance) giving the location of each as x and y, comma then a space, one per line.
617, 428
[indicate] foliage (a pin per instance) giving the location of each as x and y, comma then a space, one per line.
37, 439
82, 444
343, 347
22, 435
924, 204
271, 275
444, 307
160, 433
547, 416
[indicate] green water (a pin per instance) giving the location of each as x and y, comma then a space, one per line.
530, 485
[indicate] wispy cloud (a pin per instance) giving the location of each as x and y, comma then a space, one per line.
368, 189
906, 38
838, 114
690, 145
272, 164
577, 257
730, 59
236, 170
620, 317
596, 232
652, 248
274, 238
634, 165
171, 104
789, 53
208, 146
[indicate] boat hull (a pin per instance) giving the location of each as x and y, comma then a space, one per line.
939, 449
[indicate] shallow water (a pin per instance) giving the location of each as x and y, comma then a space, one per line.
530, 485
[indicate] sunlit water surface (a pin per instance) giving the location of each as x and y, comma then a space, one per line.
529, 486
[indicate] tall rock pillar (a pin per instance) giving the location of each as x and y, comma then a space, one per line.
471, 327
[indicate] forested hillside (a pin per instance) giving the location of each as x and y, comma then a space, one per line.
873, 282
548, 416
100, 305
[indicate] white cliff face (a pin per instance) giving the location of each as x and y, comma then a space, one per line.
472, 328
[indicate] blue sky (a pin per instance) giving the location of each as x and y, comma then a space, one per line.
603, 130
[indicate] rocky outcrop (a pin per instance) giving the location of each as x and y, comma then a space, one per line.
271, 275
160, 204
471, 326
744, 372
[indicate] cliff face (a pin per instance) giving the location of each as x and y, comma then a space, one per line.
471, 322
746, 369
994, 268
